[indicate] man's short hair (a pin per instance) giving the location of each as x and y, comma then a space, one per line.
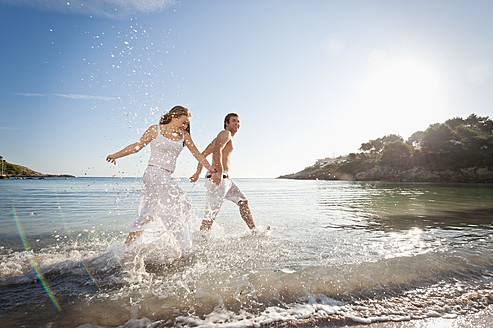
228, 117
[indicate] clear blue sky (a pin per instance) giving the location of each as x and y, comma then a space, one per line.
310, 79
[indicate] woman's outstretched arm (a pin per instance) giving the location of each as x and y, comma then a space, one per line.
147, 137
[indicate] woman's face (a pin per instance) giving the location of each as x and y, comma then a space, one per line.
181, 122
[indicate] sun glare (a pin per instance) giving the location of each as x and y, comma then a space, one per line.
405, 96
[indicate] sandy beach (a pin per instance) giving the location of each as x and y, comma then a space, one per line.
480, 319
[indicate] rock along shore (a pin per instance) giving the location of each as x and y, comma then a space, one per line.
416, 174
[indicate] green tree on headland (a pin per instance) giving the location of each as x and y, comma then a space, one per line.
415, 139
397, 155
10, 170
459, 143
375, 147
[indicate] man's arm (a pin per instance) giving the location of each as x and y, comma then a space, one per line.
222, 139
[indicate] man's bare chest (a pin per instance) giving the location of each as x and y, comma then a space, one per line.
228, 148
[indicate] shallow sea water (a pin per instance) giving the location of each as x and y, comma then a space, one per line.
357, 251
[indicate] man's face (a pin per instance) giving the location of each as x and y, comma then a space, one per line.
234, 124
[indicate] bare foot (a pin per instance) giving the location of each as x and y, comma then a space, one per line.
256, 231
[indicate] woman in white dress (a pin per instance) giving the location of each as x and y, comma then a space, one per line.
164, 212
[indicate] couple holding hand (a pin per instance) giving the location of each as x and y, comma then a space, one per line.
163, 204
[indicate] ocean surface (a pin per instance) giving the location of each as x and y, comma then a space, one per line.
357, 251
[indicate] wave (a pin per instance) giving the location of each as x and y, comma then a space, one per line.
205, 289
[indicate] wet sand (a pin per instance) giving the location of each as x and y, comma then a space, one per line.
480, 319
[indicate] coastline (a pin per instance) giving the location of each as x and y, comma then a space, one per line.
387, 174
36, 177
480, 319
16, 171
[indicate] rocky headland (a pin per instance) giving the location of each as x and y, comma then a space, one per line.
456, 151
10, 170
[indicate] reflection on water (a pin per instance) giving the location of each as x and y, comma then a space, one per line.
395, 206
397, 220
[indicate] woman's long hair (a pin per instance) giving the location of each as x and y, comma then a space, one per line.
176, 112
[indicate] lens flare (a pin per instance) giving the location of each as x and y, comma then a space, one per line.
38, 271
74, 244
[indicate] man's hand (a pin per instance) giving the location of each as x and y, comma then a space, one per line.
195, 177
217, 178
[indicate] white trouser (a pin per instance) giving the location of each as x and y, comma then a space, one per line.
217, 194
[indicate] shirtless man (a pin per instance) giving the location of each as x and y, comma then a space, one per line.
219, 185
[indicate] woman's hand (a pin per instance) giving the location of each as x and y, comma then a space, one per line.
195, 177
111, 159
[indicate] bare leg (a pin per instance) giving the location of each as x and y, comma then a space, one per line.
132, 236
246, 215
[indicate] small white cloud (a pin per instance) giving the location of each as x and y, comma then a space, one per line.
70, 96
8, 128
478, 74
109, 8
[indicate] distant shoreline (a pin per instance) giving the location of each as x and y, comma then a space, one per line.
15, 171
36, 177
388, 174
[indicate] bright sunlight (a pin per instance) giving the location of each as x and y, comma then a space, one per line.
406, 93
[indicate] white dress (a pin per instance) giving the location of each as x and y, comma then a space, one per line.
164, 212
